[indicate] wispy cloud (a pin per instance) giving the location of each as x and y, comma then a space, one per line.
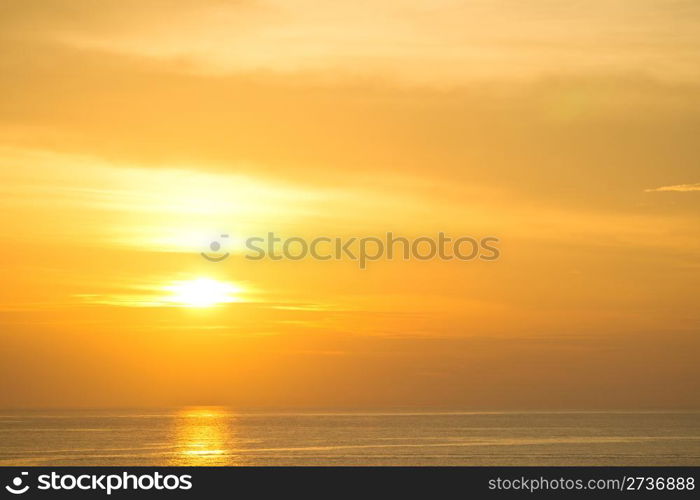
459, 41
681, 188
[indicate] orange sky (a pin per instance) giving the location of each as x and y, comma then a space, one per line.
132, 133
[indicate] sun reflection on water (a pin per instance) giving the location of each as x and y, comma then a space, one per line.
204, 436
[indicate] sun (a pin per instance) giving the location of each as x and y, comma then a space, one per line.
202, 292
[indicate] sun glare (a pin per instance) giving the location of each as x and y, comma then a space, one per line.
202, 292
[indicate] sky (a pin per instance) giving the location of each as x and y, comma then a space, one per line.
132, 134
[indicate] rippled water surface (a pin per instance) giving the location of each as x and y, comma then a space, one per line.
218, 436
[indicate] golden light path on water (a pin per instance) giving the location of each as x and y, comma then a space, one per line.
204, 436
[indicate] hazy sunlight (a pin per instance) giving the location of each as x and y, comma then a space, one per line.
202, 292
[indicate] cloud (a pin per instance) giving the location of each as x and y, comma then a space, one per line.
425, 42
679, 188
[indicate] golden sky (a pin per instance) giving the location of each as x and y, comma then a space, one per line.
134, 132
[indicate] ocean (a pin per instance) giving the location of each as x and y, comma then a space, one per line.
219, 436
